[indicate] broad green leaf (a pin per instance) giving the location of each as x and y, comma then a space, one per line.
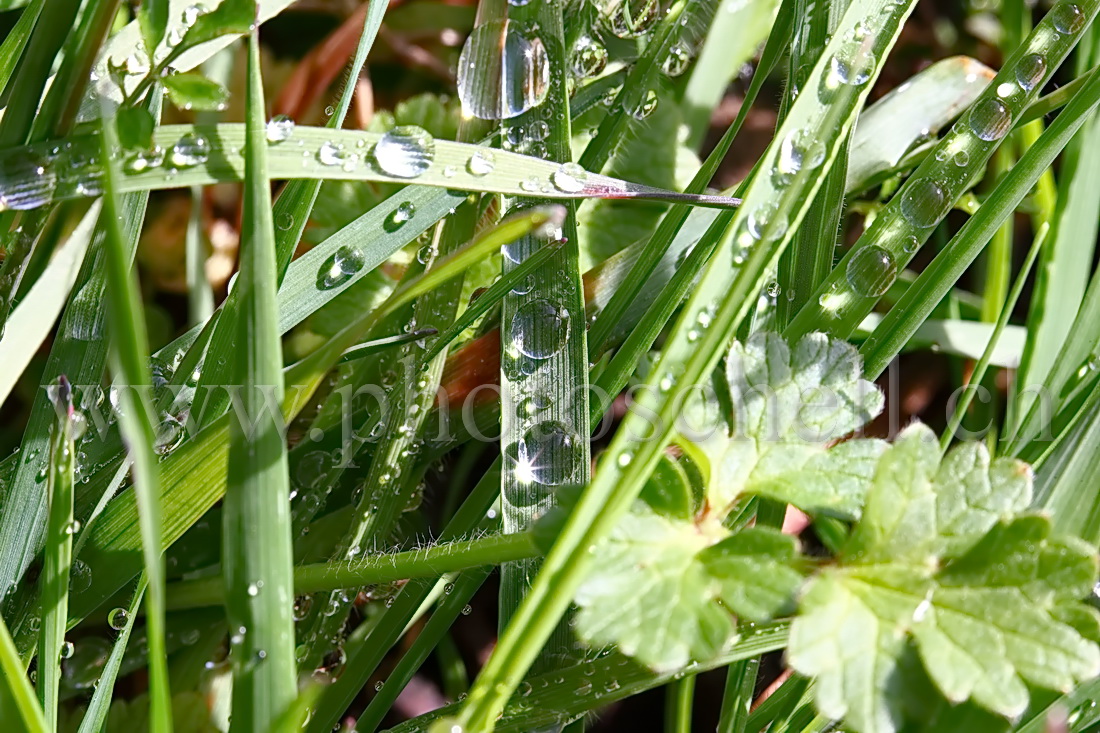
943, 564
665, 587
194, 91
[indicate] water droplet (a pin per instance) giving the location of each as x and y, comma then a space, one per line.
73, 527
480, 164
569, 178
66, 649
924, 203
144, 160
80, 577
1030, 71
467, 610
331, 154
961, 159
800, 150
871, 271
302, 605
284, 220
501, 72
118, 618
589, 58
852, 64
341, 267
677, 61
405, 152
169, 435
26, 181
190, 150
990, 120
254, 589
764, 220
632, 18
539, 130
546, 454
910, 244
279, 128
403, 213
540, 329
532, 405
645, 109
1067, 18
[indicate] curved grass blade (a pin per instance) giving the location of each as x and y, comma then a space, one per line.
899, 230
59, 548
197, 155
95, 716
256, 537
130, 360
936, 280
17, 701
35, 316
722, 299
11, 50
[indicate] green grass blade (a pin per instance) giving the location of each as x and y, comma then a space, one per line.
130, 359
933, 284
17, 702
12, 48
95, 716
256, 537
59, 549
858, 281
715, 310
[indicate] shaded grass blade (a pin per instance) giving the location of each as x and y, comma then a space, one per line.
17, 701
95, 716
256, 538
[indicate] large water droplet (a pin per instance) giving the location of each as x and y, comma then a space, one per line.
799, 150
569, 178
546, 454
677, 61
540, 329
1030, 71
1067, 17
80, 577
117, 619
990, 120
279, 128
144, 160
480, 164
589, 58
852, 64
871, 271
341, 267
169, 435
924, 203
26, 181
501, 72
646, 106
632, 18
405, 152
190, 150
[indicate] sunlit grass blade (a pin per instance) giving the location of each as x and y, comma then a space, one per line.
59, 548
858, 281
256, 538
95, 716
702, 333
130, 363
937, 279
17, 702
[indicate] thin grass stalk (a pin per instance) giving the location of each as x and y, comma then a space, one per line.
17, 701
718, 306
256, 538
58, 555
679, 695
129, 356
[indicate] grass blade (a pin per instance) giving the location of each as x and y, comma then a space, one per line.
95, 716
17, 701
256, 537
130, 359
59, 549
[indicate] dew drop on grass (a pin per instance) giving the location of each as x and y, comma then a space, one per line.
405, 152
799, 150
1030, 71
26, 181
588, 59
285, 221
144, 160
764, 220
1067, 17
540, 329
117, 619
341, 267
66, 649
545, 454
189, 151
533, 404
397, 218
852, 64
569, 178
924, 203
502, 73
990, 120
169, 435
871, 271
632, 18
646, 107
677, 61
480, 164
331, 154
279, 128
80, 577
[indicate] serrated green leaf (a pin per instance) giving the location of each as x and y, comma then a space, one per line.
665, 588
194, 91
939, 566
